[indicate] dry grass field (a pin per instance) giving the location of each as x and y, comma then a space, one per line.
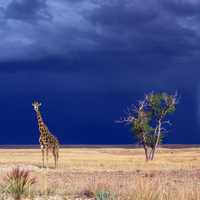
174, 174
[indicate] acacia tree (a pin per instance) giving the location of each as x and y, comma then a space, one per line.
148, 120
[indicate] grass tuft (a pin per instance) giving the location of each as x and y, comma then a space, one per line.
18, 182
105, 195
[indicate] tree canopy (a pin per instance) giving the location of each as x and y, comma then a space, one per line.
148, 120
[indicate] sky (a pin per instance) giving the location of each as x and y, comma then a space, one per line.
88, 60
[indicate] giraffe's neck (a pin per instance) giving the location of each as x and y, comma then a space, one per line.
41, 124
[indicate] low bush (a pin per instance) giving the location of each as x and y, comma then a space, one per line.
18, 182
105, 195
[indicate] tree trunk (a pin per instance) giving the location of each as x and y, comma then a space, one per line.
157, 133
146, 152
153, 153
150, 154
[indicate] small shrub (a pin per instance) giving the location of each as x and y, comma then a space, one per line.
105, 195
88, 193
18, 183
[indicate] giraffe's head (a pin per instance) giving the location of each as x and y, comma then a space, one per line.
36, 105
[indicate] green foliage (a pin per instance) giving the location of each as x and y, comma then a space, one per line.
151, 140
141, 125
154, 101
105, 195
18, 182
161, 104
148, 119
145, 125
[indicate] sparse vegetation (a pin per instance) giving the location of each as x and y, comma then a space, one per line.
85, 173
18, 183
105, 195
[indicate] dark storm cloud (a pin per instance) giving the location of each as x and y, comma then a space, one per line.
94, 37
143, 28
70, 29
182, 8
125, 37
26, 10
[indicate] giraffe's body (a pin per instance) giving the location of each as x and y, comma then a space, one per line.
47, 140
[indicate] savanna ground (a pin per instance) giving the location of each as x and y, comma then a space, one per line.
174, 174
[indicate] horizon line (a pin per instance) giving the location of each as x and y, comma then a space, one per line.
37, 146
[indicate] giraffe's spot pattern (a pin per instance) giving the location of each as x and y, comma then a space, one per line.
47, 140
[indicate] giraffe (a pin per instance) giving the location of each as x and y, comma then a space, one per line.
47, 140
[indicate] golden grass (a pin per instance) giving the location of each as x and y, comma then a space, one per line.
174, 174
88, 160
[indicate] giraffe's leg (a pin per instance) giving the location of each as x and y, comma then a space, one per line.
47, 157
42, 149
57, 156
54, 156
